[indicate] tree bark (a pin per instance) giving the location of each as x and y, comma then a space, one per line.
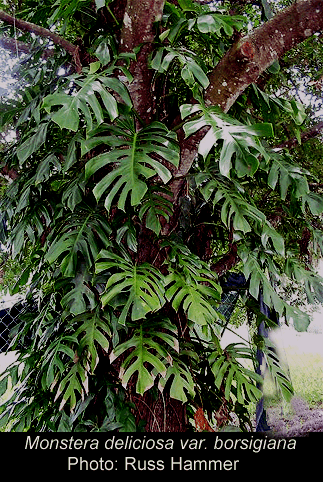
305, 136
253, 54
139, 31
17, 47
160, 412
248, 58
44, 33
241, 66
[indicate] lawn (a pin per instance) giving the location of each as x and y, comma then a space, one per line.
303, 354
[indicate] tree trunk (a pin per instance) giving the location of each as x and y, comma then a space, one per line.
158, 412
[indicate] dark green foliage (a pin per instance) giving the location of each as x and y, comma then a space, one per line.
93, 194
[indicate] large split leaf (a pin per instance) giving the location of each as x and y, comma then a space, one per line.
74, 384
32, 223
90, 99
150, 346
235, 207
133, 158
137, 289
215, 23
311, 281
286, 175
197, 299
274, 108
192, 285
155, 205
80, 234
79, 352
191, 71
233, 376
182, 382
255, 272
79, 298
240, 144
55, 357
238, 209
94, 331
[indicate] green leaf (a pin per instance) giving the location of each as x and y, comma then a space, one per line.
32, 143
127, 233
83, 101
46, 167
154, 206
133, 158
103, 52
185, 286
191, 70
94, 67
94, 330
80, 234
73, 384
301, 320
268, 232
274, 68
56, 355
288, 175
188, 5
236, 379
259, 282
303, 276
80, 298
99, 4
277, 371
146, 356
215, 23
314, 202
236, 208
238, 141
4, 384
141, 286
182, 383
73, 192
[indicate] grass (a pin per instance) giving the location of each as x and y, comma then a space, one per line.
303, 354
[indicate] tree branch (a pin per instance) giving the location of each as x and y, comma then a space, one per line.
17, 47
247, 59
305, 136
44, 33
227, 262
253, 54
9, 173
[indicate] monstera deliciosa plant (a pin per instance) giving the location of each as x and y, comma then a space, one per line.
151, 152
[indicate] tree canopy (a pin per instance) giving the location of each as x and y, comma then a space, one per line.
150, 150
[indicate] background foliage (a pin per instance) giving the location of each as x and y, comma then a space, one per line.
93, 195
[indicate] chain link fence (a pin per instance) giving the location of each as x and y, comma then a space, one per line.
10, 316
